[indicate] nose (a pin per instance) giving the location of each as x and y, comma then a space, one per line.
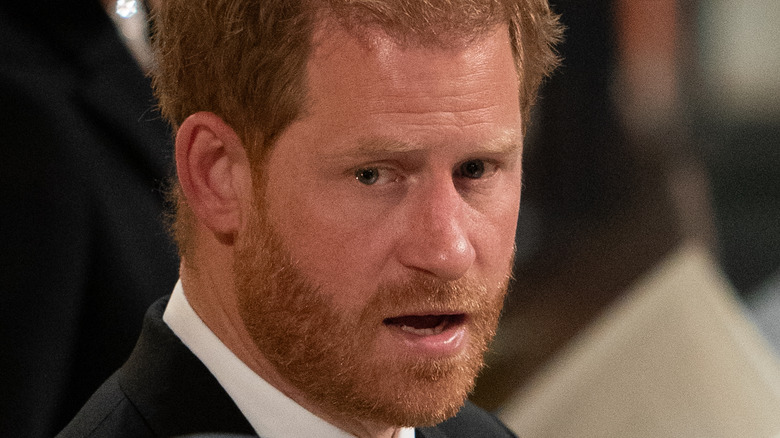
436, 236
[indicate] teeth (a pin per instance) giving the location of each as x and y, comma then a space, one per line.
425, 331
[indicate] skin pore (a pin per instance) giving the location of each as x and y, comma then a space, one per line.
362, 267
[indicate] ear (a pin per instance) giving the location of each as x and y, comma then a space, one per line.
214, 173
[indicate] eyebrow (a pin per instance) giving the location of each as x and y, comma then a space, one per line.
508, 143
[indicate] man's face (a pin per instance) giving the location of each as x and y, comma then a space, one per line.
373, 272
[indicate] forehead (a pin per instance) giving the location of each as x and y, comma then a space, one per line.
378, 72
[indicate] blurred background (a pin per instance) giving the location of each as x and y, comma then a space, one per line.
734, 98
733, 95
85, 157
660, 130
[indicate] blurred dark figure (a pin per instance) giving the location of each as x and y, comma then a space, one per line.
84, 249
619, 318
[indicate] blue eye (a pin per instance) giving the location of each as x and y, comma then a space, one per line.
367, 176
473, 169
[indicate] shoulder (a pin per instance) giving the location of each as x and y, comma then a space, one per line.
108, 413
471, 422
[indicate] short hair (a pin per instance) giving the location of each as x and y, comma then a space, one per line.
245, 60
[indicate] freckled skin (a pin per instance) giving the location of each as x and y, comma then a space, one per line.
445, 106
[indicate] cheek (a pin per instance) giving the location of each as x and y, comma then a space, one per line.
334, 245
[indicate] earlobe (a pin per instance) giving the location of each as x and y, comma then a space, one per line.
214, 173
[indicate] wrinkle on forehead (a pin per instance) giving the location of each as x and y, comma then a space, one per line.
456, 73
377, 40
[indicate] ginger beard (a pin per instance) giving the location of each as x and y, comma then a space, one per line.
331, 355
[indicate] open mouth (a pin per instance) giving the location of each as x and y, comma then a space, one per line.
425, 325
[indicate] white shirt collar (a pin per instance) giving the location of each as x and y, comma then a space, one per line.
271, 413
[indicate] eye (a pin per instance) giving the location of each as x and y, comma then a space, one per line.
367, 176
473, 169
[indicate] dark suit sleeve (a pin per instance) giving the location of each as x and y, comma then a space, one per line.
108, 414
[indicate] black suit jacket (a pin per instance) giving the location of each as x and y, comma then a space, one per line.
164, 390
83, 156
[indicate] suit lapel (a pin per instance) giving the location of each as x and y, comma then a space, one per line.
172, 389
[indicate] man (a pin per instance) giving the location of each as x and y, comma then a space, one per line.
349, 179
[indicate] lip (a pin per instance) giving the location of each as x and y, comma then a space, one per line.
447, 340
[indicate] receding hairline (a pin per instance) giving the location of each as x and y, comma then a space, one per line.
442, 32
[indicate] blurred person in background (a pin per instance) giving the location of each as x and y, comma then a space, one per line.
620, 321
84, 249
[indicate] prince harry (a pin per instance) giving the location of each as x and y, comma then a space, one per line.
349, 177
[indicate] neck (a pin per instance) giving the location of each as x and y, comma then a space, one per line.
208, 284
